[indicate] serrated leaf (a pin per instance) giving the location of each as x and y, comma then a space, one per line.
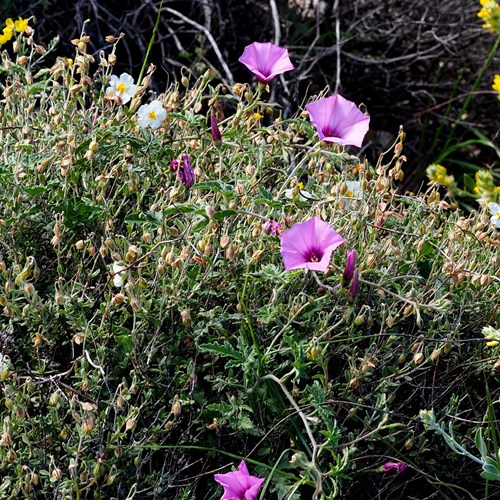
224, 350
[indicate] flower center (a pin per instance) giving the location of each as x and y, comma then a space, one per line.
121, 87
331, 132
349, 194
152, 115
314, 255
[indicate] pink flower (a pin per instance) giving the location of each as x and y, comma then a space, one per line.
350, 266
239, 484
397, 466
338, 120
309, 244
266, 60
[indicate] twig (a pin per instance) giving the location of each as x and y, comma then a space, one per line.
213, 43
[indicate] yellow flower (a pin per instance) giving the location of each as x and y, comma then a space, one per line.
8, 32
496, 85
439, 175
21, 25
485, 186
490, 14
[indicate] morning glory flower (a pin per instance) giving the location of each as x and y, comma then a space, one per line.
239, 484
338, 120
151, 115
494, 208
266, 60
309, 244
122, 87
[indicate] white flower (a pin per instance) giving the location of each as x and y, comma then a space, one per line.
122, 87
118, 272
151, 114
352, 193
495, 210
303, 195
4, 362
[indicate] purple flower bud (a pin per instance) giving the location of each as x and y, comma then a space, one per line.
271, 226
186, 171
214, 127
350, 266
397, 466
355, 284
174, 165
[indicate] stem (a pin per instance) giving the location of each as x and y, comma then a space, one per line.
150, 46
468, 100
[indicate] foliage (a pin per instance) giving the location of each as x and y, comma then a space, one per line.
150, 334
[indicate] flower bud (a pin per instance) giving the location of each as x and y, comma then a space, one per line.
350, 267
353, 291
186, 317
214, 129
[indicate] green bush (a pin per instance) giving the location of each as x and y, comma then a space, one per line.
153, 336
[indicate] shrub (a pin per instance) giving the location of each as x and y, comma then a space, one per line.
150, 334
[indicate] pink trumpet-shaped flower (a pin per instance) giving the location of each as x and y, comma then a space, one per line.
266, 60
338, 120
309, 244
239, 484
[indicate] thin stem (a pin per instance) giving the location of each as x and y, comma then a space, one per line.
150, 46
468, 100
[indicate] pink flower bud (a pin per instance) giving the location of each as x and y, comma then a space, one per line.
350, 266
397, 466
214, 127
272, 227
355, 284
186, 171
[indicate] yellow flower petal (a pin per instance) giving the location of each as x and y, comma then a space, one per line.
21, 25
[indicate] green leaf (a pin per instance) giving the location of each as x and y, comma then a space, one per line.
224, 214
217, 186
180, 209
225, 350
150, 217
480, 444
